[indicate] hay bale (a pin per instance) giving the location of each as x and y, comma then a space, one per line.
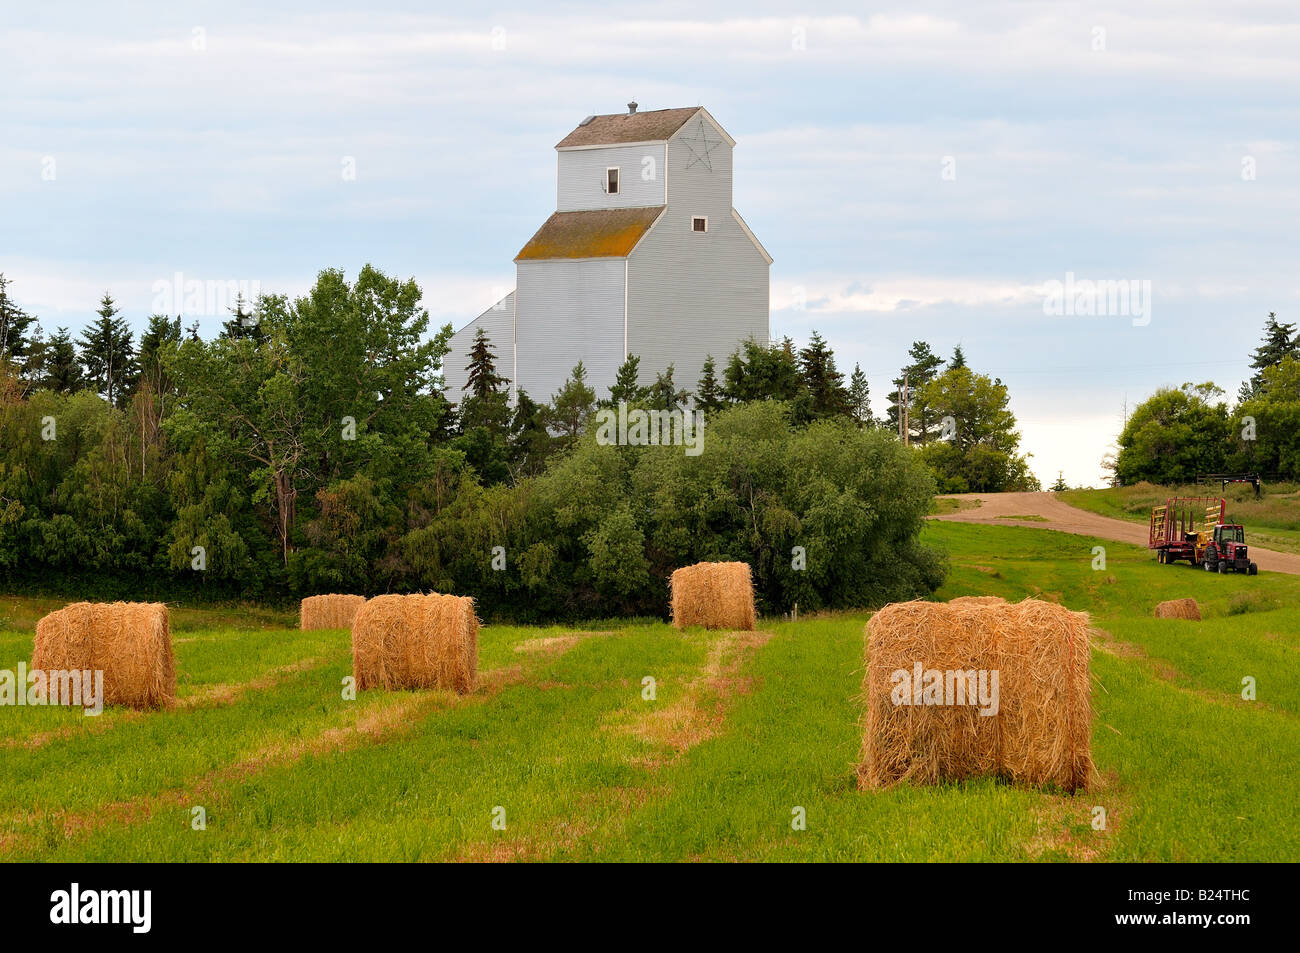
714, 595
977, 601
1179, 609
1041, 731
329, 612
416, 641
131, 642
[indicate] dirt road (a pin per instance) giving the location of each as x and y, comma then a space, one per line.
1001, 508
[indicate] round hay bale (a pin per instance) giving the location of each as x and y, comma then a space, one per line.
714, 595
977, 601
1179, 609
332, 611
933, 669
130, 642
416, 641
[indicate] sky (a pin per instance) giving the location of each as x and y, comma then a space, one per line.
919, 171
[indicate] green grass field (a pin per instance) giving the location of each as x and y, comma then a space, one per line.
1272, 521
559, 742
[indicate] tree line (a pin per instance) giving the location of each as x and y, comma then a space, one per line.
309, 447
958, 420
1181, 432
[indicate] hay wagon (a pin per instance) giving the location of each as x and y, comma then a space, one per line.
1195, 528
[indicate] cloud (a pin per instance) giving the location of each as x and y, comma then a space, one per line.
898, 293
1119, 160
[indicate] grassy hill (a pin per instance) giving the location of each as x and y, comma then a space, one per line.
1273, 521
743, 730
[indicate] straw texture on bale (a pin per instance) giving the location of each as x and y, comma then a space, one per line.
714, 595
1042, 731
329, 612
977, 601
131, 642
1179, 609
416, 641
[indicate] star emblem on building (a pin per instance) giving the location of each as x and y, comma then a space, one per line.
700, 146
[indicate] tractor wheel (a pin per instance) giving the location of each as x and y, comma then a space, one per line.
1209, 566
1223, 567
1252, 570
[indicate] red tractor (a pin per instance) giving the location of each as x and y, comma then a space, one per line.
1216, 546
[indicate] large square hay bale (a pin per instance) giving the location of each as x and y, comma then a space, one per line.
416, 641
130, 642
714, 595
1179, 609
1039, 729
329, 612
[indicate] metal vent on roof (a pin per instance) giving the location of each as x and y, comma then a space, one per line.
587, 120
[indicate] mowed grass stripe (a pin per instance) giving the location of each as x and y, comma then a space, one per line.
213, 669
162, 750
693, 710
237, 657
208, 672
170, 751
537, 749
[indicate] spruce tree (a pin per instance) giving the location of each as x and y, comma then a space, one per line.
483, 379
708, 392
62, 369
244, 324
107, 355
572, 406
484, 416
665, 394
162, 332
530, 443
759, 372
626, 390
1280, 341
38, 350
958, 358
735, 377
824, 394
859, 397
14, 322
923, 369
